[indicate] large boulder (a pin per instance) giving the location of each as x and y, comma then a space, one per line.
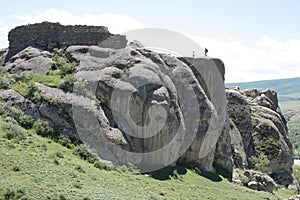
153, 109
254, 180
161, 87
259, 181
30, 61
3, 53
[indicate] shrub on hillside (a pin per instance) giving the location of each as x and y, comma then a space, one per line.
13, 114
42, 128
10, 120
86, 153
7, 110
66, 142
101, 165
14, 193
14, 132
26, 121
297, 179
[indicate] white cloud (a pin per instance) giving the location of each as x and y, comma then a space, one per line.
116, 23
267, 59
4, 29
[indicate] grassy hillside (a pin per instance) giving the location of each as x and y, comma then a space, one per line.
34, 167
289, 105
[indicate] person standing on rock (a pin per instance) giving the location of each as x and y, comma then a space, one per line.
205, 51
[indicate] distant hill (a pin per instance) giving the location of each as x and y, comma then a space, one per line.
287, 89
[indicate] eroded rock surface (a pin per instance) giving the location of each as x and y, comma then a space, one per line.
30, 61
153, 109
259, 127
3, 53
159, 91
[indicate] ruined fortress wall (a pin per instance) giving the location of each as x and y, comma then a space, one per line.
48, 35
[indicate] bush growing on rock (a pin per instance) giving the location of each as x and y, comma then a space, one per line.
5, 79
68, 83
269, 147
261, 163
63, 64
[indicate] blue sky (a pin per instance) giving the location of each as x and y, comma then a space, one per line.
255, 39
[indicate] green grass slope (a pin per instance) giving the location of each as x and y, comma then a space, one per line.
34, 167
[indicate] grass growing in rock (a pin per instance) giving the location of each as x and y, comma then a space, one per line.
61, 70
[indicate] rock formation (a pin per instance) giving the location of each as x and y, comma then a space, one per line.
154, 110
30, 61
257, 181
257, 126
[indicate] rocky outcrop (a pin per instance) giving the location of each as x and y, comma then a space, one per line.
256, 180
259, 127
153, 110
151, 81
30, 61
241, 127
3, 53
58, 115
145, 116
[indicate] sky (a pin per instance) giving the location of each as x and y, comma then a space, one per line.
256, 39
